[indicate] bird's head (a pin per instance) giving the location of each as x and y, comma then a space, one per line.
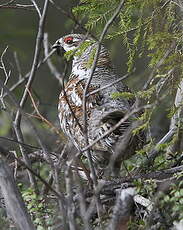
82, 47
70, 42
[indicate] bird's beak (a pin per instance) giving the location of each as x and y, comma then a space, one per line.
57, 46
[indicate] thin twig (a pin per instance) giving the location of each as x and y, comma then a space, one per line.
158, 65
35, 60
4, 153
69, 15
7, 76
70, 205
17, 6
52, 68
156, 150
135, 110
41, 116
18, 65
85, 131
109, 85
61, 200
11, 96
8, 3
17, 120
159, 175
37, 8
22, 80
82, 200
21, 143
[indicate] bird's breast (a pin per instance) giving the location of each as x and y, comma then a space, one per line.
70, 104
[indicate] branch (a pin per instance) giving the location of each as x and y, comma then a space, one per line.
22, 80
122, 210
9, 5
41, 116
35, 60
85, 131
4, 152
13, 200
135, 110
12, 98
158, 65
156, 150
7, 76
37, 8
52, 68
109, 85
17, 120
17, 65
176, 121
70, 16
159, 175
21, 143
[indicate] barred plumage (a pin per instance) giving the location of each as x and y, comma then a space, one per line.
103, 111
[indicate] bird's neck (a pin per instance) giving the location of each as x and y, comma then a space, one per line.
82, 65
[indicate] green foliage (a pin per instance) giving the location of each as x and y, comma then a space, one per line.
91, 58
140, 128
38, 209
78, 51
148, 189
69, 54
145, 27
127, 95
4, 225
171, 204
98, 12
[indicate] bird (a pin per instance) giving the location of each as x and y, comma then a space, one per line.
103, 111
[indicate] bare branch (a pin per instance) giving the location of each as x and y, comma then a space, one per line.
20, 138
159, 175
69, 190
4, 152
37, 8
109, 85
122, 210
135, 110
21, 143
7, 76
156, 151
13, 200
18, 65
69, 15
82, 201
25, 78
61, 200
35, 60
52, 68
40, 116
17, 120
85, 131
9, 5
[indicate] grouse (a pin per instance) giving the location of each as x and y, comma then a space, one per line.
102, 109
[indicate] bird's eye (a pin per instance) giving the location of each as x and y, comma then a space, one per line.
68, 40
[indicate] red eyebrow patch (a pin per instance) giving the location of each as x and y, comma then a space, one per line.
68, 39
